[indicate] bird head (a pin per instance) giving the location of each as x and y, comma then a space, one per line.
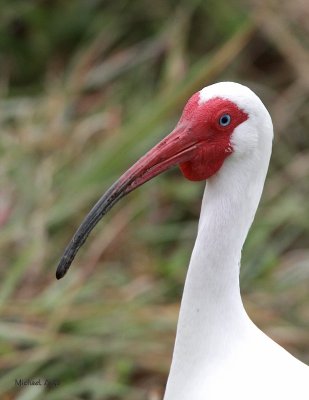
221, 121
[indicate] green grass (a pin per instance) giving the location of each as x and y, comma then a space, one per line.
110, 81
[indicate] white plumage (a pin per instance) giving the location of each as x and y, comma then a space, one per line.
219, 353
225, 136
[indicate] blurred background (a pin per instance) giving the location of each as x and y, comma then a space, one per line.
86, 87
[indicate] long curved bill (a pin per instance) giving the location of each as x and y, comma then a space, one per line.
178, 147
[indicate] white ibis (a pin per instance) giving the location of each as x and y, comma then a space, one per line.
225, 136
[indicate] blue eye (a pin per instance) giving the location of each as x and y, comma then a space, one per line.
225, 120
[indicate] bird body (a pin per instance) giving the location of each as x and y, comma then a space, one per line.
219, 353
253, 366
225, 136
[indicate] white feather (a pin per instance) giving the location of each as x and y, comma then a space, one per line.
219, 353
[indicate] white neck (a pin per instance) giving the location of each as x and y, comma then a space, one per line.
212, 318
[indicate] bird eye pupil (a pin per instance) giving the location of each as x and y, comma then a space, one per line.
225, 120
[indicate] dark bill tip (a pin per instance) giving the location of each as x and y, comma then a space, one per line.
176, 148
62, 269
115, 193
63, 266
69, 255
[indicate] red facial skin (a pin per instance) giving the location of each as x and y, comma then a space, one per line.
203, 123
198, 144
